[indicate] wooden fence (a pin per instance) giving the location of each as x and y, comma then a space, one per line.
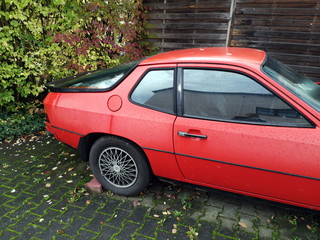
287, 29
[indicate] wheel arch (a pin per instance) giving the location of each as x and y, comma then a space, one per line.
87, 141
85, 144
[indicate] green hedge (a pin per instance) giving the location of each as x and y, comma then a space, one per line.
46, 40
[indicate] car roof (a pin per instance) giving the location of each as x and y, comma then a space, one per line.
223, 55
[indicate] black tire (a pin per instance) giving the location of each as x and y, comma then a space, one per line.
119, 166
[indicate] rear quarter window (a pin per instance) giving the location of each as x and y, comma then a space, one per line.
156, 91
96, 81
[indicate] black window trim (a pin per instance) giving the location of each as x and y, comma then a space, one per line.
174, 112
179, 92
180, 77
52, 88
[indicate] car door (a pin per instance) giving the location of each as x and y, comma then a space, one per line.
149, 118
234, 133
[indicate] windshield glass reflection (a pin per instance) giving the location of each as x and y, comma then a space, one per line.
301, 86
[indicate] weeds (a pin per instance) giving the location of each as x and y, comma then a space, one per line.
76, 194
192, 233
186, 202
177, 214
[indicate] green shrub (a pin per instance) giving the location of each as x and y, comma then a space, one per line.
45, 40
15, 125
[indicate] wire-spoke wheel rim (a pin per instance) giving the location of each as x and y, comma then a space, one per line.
118, 167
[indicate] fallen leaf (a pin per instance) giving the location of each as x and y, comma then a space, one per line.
166, 212
136, 203
242, 224
171, 196
142, 193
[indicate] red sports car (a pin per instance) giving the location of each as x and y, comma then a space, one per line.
233, 119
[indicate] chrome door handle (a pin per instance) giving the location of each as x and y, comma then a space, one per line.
185, 134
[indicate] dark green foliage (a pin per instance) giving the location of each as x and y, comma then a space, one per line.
20, 124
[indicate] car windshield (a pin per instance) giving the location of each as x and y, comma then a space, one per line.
301, 86
103, 79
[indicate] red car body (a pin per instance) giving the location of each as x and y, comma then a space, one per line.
278, 162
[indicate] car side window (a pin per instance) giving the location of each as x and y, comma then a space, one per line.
231, 96
155, 90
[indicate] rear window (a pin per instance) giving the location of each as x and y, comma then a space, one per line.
100, 80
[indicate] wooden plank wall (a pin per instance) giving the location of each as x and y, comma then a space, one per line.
181, 24
288, 29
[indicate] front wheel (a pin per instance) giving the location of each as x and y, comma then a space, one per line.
119, 166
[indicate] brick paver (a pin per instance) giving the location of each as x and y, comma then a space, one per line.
43, 196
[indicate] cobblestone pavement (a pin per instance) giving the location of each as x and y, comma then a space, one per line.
43, 197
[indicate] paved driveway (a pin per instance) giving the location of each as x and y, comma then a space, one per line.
43, 197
